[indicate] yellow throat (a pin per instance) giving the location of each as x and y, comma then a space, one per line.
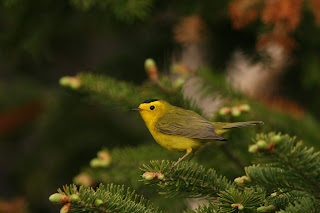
152, 110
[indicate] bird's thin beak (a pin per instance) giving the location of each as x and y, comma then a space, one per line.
137, 109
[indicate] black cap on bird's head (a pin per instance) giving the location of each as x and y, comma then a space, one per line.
150, 104
145, 102
149, 101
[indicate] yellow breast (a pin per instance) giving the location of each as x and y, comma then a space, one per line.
175, 143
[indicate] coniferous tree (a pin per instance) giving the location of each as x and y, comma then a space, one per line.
268, 50
284, 177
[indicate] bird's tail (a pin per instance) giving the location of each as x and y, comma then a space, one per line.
221, 127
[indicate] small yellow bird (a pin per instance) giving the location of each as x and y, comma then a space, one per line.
181, 130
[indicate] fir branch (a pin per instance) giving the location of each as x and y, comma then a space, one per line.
128, 10
107, 90
281, 200
274, 178
125, 161
306, 204
125, 10
211, 208
295, 162
187, 179
288, 150
109, 198
233, 200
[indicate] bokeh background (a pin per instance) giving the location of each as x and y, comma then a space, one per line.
265, 53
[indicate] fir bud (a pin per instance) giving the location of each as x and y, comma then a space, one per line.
98, 202
83, 179
59, 198
262, 209
240, 207
104, 155
95, 163
237, 205
253, 148
235, 112
271, 207
74, 198
245, 107
105, 158
273, 194
234, 205
180, 69
65, 208
178, 82
224, 110
64, 81
239, 181
160, 176
151, 69
149, 175
75, 83
262, 144
149, 62
276, 139
246, 179
68, 81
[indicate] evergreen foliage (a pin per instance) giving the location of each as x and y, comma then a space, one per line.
108, 90
109, 198
187, 180
285, 180
210, 208
48, 132
125, 161
284, 165
125, 10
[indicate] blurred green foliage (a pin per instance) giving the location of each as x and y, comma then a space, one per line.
48, 133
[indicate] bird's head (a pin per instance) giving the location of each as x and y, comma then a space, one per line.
151, 110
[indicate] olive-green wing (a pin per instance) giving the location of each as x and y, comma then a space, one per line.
187, 126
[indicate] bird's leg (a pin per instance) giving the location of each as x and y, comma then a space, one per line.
193, 154
180, 159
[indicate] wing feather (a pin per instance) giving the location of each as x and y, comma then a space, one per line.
187, 126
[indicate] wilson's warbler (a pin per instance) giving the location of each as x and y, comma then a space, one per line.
181, 130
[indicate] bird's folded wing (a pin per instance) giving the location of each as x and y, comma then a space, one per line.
187, 126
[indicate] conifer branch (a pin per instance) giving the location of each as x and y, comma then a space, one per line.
124, 161
274, 177
107, 90
210, 208
109, 198
282, 199
123, 10
286, 163
305, 204
233, 200
186, 179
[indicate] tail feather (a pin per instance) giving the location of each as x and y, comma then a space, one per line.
240, 124
221, 127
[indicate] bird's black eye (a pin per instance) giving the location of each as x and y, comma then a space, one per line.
152, 107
